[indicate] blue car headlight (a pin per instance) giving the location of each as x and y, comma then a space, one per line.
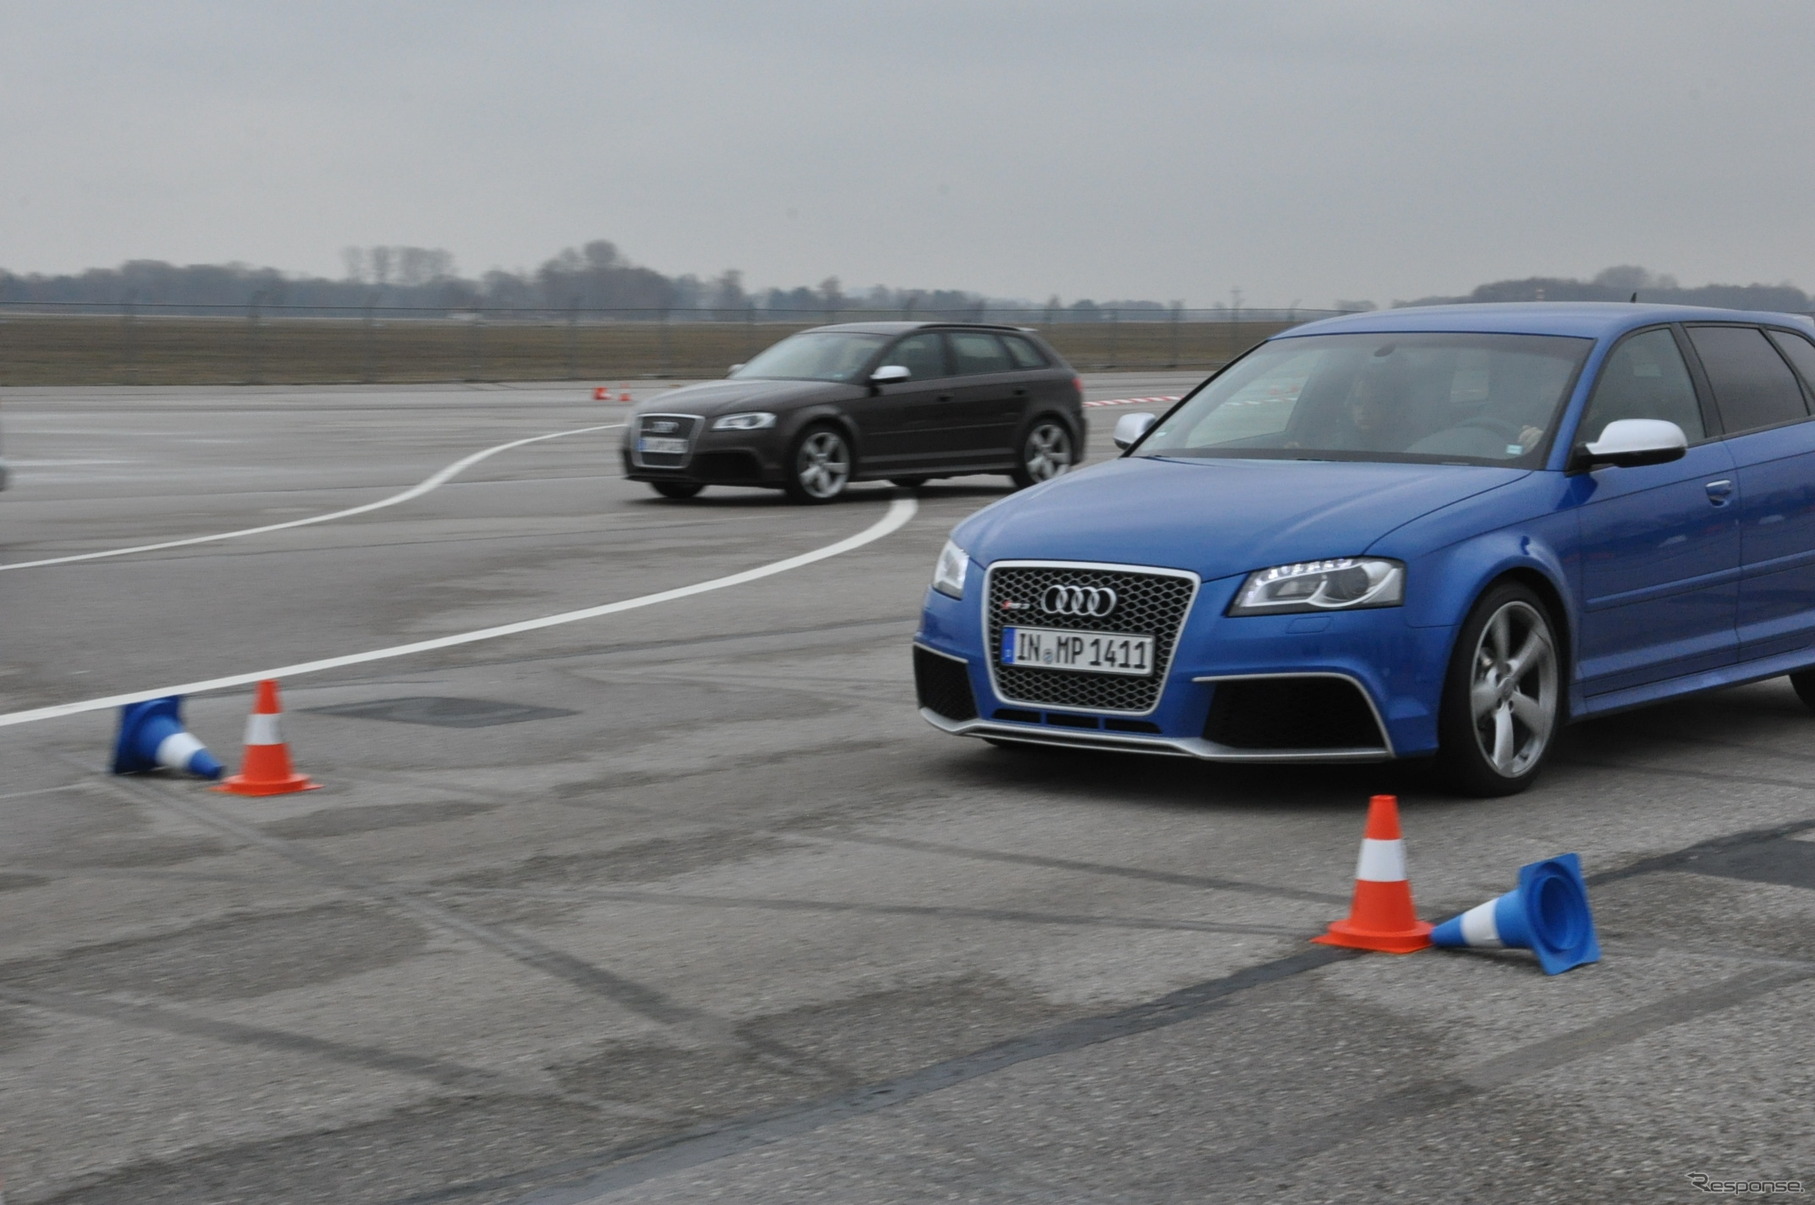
1348, 583
755, 420
948, 574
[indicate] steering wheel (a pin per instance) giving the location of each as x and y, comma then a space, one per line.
1489, 422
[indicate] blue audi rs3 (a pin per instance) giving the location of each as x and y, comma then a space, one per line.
1432, 532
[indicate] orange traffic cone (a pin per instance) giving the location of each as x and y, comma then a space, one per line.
624, 396
267, 769
1381, 916
601, 393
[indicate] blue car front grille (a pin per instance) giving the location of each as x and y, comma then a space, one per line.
1148, 603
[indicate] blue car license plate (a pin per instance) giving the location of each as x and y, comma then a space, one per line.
1091, 652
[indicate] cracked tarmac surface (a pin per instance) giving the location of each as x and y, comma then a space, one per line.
703, 911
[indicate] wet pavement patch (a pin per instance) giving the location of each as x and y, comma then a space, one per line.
340, 822
237, 958
642, 862
1778, 860
443, 711
408, 1156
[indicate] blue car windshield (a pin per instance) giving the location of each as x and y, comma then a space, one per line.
1450, 398
814, 356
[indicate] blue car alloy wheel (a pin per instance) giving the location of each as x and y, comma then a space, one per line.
1435, 533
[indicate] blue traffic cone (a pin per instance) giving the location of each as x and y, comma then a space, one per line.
152, 735
1547, 913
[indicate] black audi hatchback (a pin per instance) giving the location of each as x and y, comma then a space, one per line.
862, 401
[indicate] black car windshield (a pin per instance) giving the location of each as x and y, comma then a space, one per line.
815, 356
1454, 398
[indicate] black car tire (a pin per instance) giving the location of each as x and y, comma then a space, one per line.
908, 483
676, 489
819, 465
1804, 682
1504, 698
1046, 449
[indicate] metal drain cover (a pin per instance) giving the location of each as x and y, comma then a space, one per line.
442, 711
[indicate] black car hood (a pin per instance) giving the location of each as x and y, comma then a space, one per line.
728, 397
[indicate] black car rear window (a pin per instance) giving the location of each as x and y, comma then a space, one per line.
1024, 353
977, 352
1753, 387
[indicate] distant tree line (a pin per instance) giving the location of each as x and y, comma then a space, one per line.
1622, 282
595, 276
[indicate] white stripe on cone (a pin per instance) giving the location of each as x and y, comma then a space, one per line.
262, 730
175, 750
1381, 861
1478, 926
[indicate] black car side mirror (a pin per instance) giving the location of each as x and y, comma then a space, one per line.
1630, 442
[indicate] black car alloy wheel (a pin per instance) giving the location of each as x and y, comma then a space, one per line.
1046, 451
819, 467
1503, 700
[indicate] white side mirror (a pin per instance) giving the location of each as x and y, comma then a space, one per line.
888, 374
1130, 427
732, 371
1629, 442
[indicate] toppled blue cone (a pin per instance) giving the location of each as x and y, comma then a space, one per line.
152, 736
1547, 913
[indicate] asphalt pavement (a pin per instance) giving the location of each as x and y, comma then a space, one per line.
683, 902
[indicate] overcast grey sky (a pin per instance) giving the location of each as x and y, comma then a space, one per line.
1356, 149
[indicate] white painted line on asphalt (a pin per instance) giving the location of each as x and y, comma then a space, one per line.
900, 511
416, 491
1135, 401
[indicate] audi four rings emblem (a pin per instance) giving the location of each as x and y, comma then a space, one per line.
1094, 601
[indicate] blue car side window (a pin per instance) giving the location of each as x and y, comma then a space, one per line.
1645, 377
1753, 387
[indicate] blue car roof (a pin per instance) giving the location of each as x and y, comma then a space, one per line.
1583, 319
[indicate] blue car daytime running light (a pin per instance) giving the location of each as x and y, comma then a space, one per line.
1339, 584
948, 575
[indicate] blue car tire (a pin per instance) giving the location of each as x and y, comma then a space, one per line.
1504, 698
1804, 682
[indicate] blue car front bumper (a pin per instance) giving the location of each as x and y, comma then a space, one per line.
1341, 686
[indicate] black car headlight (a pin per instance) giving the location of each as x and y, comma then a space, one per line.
949, 574
1348, 583
755, 420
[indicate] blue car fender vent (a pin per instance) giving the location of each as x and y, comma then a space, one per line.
1147, 726
1062, 720
1017, 715
943, 685
1291, 713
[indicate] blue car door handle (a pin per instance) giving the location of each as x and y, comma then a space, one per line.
1719, 491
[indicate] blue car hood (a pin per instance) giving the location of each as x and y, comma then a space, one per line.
1217, 517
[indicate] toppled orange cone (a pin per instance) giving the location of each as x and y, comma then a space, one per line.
267, 769
1381, 916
